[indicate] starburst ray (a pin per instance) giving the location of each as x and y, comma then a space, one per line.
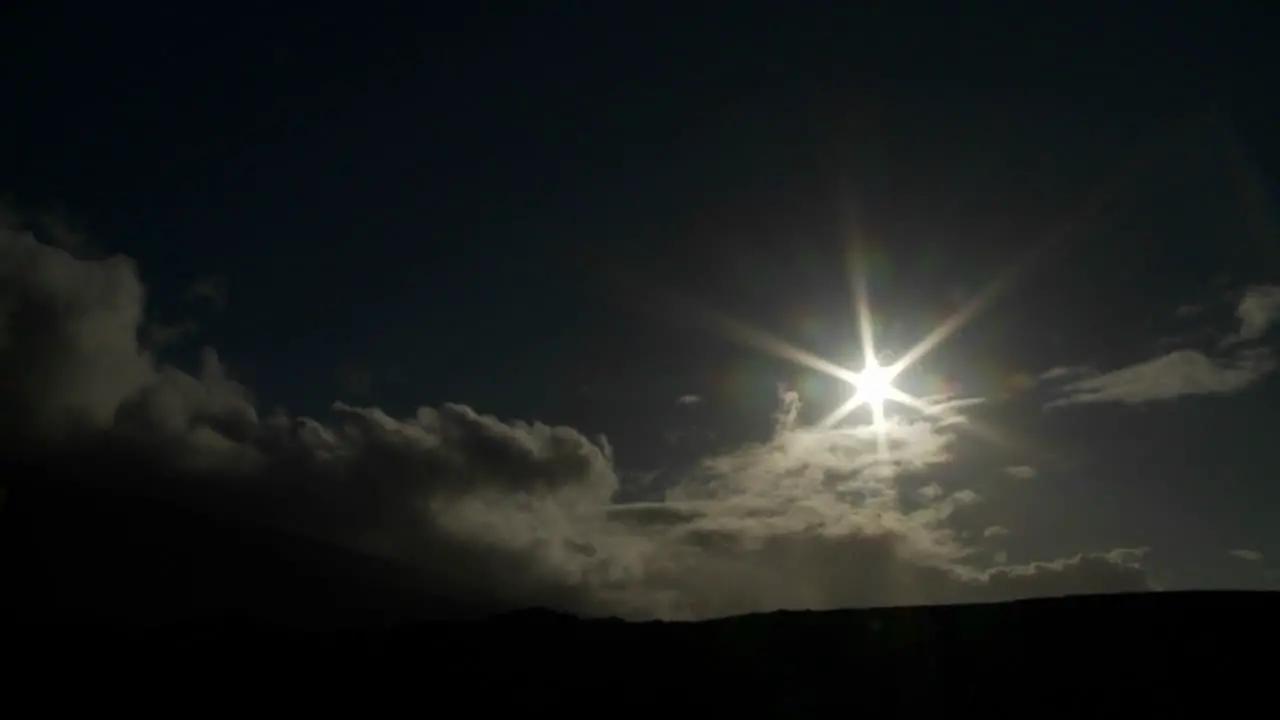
862, 303
761, 340
1102, 195
689, 309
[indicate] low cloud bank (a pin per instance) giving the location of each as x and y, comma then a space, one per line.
516, 512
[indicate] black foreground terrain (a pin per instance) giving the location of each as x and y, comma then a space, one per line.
170, 609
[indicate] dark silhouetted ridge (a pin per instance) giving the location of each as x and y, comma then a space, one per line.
82, 550
108, 587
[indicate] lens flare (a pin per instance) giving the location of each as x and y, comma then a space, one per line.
874, 383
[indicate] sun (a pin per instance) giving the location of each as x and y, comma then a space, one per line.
874, 384
873, 387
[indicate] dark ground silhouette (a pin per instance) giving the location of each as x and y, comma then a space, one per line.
170, 601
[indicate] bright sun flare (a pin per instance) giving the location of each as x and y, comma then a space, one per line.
874, 383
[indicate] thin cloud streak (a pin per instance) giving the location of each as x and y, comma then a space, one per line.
1185, 372
1020, 472
1177, 374
1250, 555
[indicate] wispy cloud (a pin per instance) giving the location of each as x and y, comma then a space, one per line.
689, 400
1064, 371
1258, 311
1021, 472
995, 531
789, 408
1179, 373
1184, 371
1251, 555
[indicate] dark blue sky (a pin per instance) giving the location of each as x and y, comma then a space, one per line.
435, 200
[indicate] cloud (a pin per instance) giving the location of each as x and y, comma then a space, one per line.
506, 512
1258, 310
1186, 311
1064, 371
995, 531
69, 353
788, 410
1021, 472
1114, 571
688, 400
932, 491
1179, 373
1251, 555
1184, 371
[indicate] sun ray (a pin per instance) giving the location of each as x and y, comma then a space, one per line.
878, 427
862, 304
947, 327
774, 345
1102, 195
736, 330
840, 413
976, 427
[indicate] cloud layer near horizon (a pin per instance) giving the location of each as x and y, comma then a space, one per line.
512, 512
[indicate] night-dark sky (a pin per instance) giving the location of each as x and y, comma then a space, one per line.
524, 219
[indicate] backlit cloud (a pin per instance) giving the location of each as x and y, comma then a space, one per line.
1183, 371
513, 512
1179, 373
1258, 311
1064, 371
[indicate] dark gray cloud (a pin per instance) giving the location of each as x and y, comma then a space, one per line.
513, 512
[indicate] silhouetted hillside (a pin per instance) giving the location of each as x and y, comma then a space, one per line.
229, 601
74, 549
1061, 657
